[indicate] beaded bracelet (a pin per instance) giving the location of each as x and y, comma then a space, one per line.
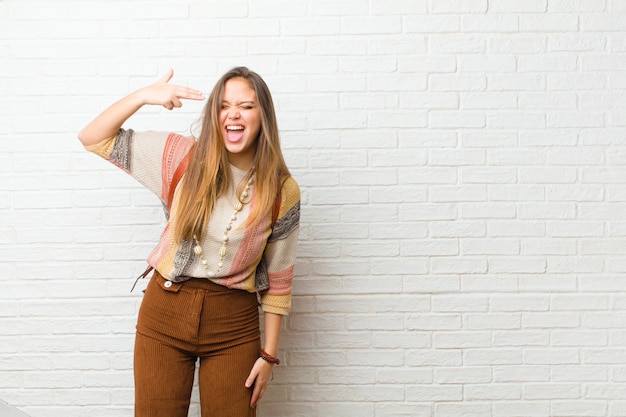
268, 358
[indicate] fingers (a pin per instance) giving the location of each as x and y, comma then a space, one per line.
255, 391
174, 94
259, 375
170, 95
250, 379
188, 93
257, 394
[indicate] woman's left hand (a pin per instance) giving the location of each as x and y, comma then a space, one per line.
259, 376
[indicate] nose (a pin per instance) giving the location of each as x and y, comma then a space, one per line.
233, 114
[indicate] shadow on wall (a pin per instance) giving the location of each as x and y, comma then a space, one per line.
7, 411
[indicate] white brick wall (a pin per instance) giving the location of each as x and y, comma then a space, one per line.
462, 166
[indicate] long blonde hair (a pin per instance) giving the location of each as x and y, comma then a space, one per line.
208, 176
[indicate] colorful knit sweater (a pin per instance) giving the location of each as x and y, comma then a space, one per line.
261, 252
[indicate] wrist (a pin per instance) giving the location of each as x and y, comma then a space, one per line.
138, 98
268, 358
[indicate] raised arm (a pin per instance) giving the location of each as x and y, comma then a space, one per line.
107, 123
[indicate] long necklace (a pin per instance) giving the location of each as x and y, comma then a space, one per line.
197, 249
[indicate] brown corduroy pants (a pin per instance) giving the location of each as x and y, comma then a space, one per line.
180, 323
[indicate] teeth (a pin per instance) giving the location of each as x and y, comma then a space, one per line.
234, 127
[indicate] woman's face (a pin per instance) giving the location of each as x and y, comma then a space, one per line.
240, 121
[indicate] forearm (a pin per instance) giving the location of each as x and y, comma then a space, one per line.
273, 324
107, 123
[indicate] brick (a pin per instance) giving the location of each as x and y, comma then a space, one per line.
517, 44
430, 100
435, 175
388, 24
402, 45
448, 83
488, 100
456, 119
549, 246
551, 356
575, 119
523, 409
486, 321
416, 284
489, 246
405, 231
402, 119
452, 303
425, 64
577, 6
491, 392
367, 357
571, 338
523, 338
358, 64
458, 6
587, 373
484, 357
510, 120
431, 23
404, 376
501, 6
462, 409
557, 62
397, 83
498, 228
537, 175
398, 158
458, 229
458, 340
453, 43
552, 22
573, 193
562, 211
548, 282
406, 339
442, 139
367, 101
432, 248
487, 211
551, 391
341, 7
603, 21
487, 140
435, 393
448, 194
578, 408
501, 23
338, 376
277, 9
525, 373
489, 283
374, 322
434, 322
399, 6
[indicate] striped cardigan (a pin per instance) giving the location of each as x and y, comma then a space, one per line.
261, 252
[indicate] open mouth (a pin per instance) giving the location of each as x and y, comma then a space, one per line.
234, 133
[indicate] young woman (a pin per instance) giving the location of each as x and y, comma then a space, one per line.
230, 241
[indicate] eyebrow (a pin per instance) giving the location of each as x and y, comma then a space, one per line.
241, 102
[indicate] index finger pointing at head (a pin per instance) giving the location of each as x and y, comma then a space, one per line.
190, 94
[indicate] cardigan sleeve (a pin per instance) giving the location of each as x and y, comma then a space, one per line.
280, 251
141, 154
